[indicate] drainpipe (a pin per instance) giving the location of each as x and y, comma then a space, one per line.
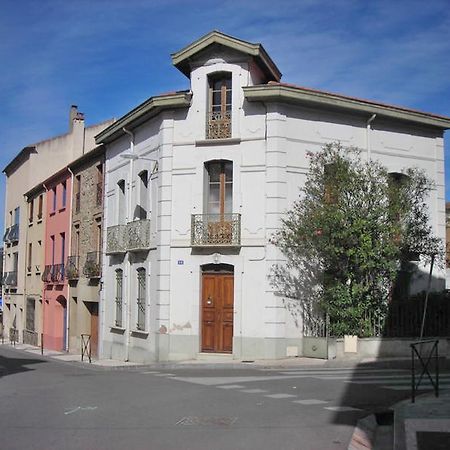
128, 271
371, 119
69, 248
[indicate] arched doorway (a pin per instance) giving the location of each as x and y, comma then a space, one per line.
217, 303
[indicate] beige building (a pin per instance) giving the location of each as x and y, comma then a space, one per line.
24, 229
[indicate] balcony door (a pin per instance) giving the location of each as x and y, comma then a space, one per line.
217, 309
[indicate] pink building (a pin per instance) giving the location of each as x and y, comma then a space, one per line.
56, 250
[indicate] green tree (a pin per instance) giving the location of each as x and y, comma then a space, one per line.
346, 236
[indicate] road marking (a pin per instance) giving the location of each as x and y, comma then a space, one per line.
342, 408
231, 386
164, 374
150, 371
80, 408
311, 401
254, 391
280, 395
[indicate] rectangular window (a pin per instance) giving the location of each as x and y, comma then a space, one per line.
17, 216
77, 193
54, 199
30, 210
40, 206
76, 244
63, 247
141, 299
220, 181
64, 194
99, 184
30, 257
52, 242
30, 314
119, 298
219, 112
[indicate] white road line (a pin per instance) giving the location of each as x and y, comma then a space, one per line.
342, 408
164, 374
253, 391
311, 401
231, 386
280, 395
150, 371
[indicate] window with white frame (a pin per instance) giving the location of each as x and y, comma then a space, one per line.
219, 108
141, 209
121, 204
141, 298
119, 298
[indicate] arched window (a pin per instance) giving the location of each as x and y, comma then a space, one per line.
121, 202
119, 298
219, 107
141, 298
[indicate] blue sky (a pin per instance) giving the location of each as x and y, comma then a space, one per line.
109, 56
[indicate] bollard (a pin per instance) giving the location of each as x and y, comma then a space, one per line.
42, 343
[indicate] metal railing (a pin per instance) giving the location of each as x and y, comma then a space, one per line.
115, 239
10, 279
218, 125
424, 357
13, 336
86, 350
53, 273
72, 268
30, 337
215, 230
11, 234
93, 266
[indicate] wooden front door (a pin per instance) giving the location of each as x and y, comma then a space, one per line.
93, 309
217, 312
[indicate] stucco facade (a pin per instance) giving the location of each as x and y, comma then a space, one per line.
231, 154
24, 177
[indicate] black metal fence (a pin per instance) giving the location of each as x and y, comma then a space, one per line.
427, 355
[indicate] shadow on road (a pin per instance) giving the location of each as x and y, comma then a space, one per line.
11, 365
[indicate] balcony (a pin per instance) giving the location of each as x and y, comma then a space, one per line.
115, 240
93, 266
216, 230
72, 268
10, 279
138, 235
53, 273
11, 234
219, 125
133, 237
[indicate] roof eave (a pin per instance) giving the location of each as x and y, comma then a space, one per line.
143, 112
297, 95
181, 58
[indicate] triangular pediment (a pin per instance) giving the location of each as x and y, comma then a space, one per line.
184, 58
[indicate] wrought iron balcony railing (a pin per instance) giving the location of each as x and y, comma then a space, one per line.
72, 268
115, 239
93, 266
218, 125
10, 279
53, 273
11, 234
99, 198
138, 235
216, 230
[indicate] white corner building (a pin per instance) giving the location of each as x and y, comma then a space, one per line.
196, 183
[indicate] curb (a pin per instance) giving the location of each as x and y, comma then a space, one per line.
363, 437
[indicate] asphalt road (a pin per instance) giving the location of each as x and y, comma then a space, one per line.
48, 404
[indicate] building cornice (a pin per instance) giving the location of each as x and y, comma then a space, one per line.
277, 92
142, 113
182, 58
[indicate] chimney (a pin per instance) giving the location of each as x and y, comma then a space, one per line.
72, 115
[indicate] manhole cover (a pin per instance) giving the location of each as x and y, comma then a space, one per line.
199, 421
